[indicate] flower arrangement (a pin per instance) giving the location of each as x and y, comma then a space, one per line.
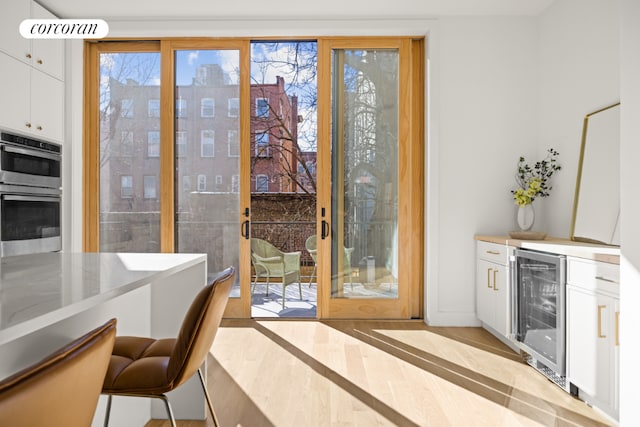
533, 182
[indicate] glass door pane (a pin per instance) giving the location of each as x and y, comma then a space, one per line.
364, 194
129, 152
207, 156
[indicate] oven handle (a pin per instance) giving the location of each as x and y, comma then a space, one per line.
514, 296
28, 152
14, 197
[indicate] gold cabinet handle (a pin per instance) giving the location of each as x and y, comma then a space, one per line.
39, 127
28, 55
495, 272
617, 323
493, 252
604, 279
39, 61
489, 277
28, 124
600, 307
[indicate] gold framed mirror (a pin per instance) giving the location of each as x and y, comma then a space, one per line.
596, 205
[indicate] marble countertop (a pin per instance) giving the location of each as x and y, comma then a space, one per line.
38, 290
604, 253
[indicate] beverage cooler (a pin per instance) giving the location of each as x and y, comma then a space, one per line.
538, 310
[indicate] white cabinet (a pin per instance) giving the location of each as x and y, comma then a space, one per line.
33, 101
46, 55
492, 286
592, 332
32, 77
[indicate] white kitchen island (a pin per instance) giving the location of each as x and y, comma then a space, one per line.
47, 300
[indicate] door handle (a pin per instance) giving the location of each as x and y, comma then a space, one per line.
325, 230
600, 307
495, 272
244, 230
489, 277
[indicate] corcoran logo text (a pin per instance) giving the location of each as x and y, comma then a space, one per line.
64, 28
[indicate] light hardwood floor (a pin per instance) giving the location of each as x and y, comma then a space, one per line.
377, 373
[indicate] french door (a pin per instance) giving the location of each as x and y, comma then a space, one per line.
167, 163
369, 188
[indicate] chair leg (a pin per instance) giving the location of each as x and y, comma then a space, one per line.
206, 395
169, 411
313, 274
107, 412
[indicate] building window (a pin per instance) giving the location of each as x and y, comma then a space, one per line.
234, 143
181, 107
262, 108
207, 143
181, 143
218, 179
126, 108
154, 108
262, 183
235, 183
126, 143
186, 183
126, 186
153, 143
202, 182
234, 107
262, 144
207, 107
149, 186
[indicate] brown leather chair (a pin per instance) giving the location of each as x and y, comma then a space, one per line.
146, 367
62, 389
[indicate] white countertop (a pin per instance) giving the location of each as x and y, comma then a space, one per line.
38, 290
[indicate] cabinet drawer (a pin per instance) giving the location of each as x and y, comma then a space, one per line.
493, 252
593, 275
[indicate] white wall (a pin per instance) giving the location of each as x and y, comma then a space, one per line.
630, 227
578, 71
486, 120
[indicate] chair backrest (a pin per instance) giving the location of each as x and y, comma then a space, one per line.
312, 243
199, 328
63, 388
263, 248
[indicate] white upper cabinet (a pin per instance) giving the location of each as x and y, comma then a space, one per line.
46, 55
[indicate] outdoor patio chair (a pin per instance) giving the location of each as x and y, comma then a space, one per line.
312, 247
270, 262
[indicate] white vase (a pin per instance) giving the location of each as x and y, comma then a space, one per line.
526, 216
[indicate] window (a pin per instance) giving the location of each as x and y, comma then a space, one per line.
234, 107
181, 107
207, 143
153, 143
262, 144
262, 108
207, 107
262, 183
126, 143
234, 143
218, 179
202, 182
126, 108
149, 186
186, 183
181, 143
126, 186
154, 108
235, 184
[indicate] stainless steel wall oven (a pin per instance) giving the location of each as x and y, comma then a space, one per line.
30, 195
538, 310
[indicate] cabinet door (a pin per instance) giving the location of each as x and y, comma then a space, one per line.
14, 109
47, 54
484, 291
500, 282
589, 332
11, 42
47, 106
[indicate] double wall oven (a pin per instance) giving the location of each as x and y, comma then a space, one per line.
30, 195
538, 286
